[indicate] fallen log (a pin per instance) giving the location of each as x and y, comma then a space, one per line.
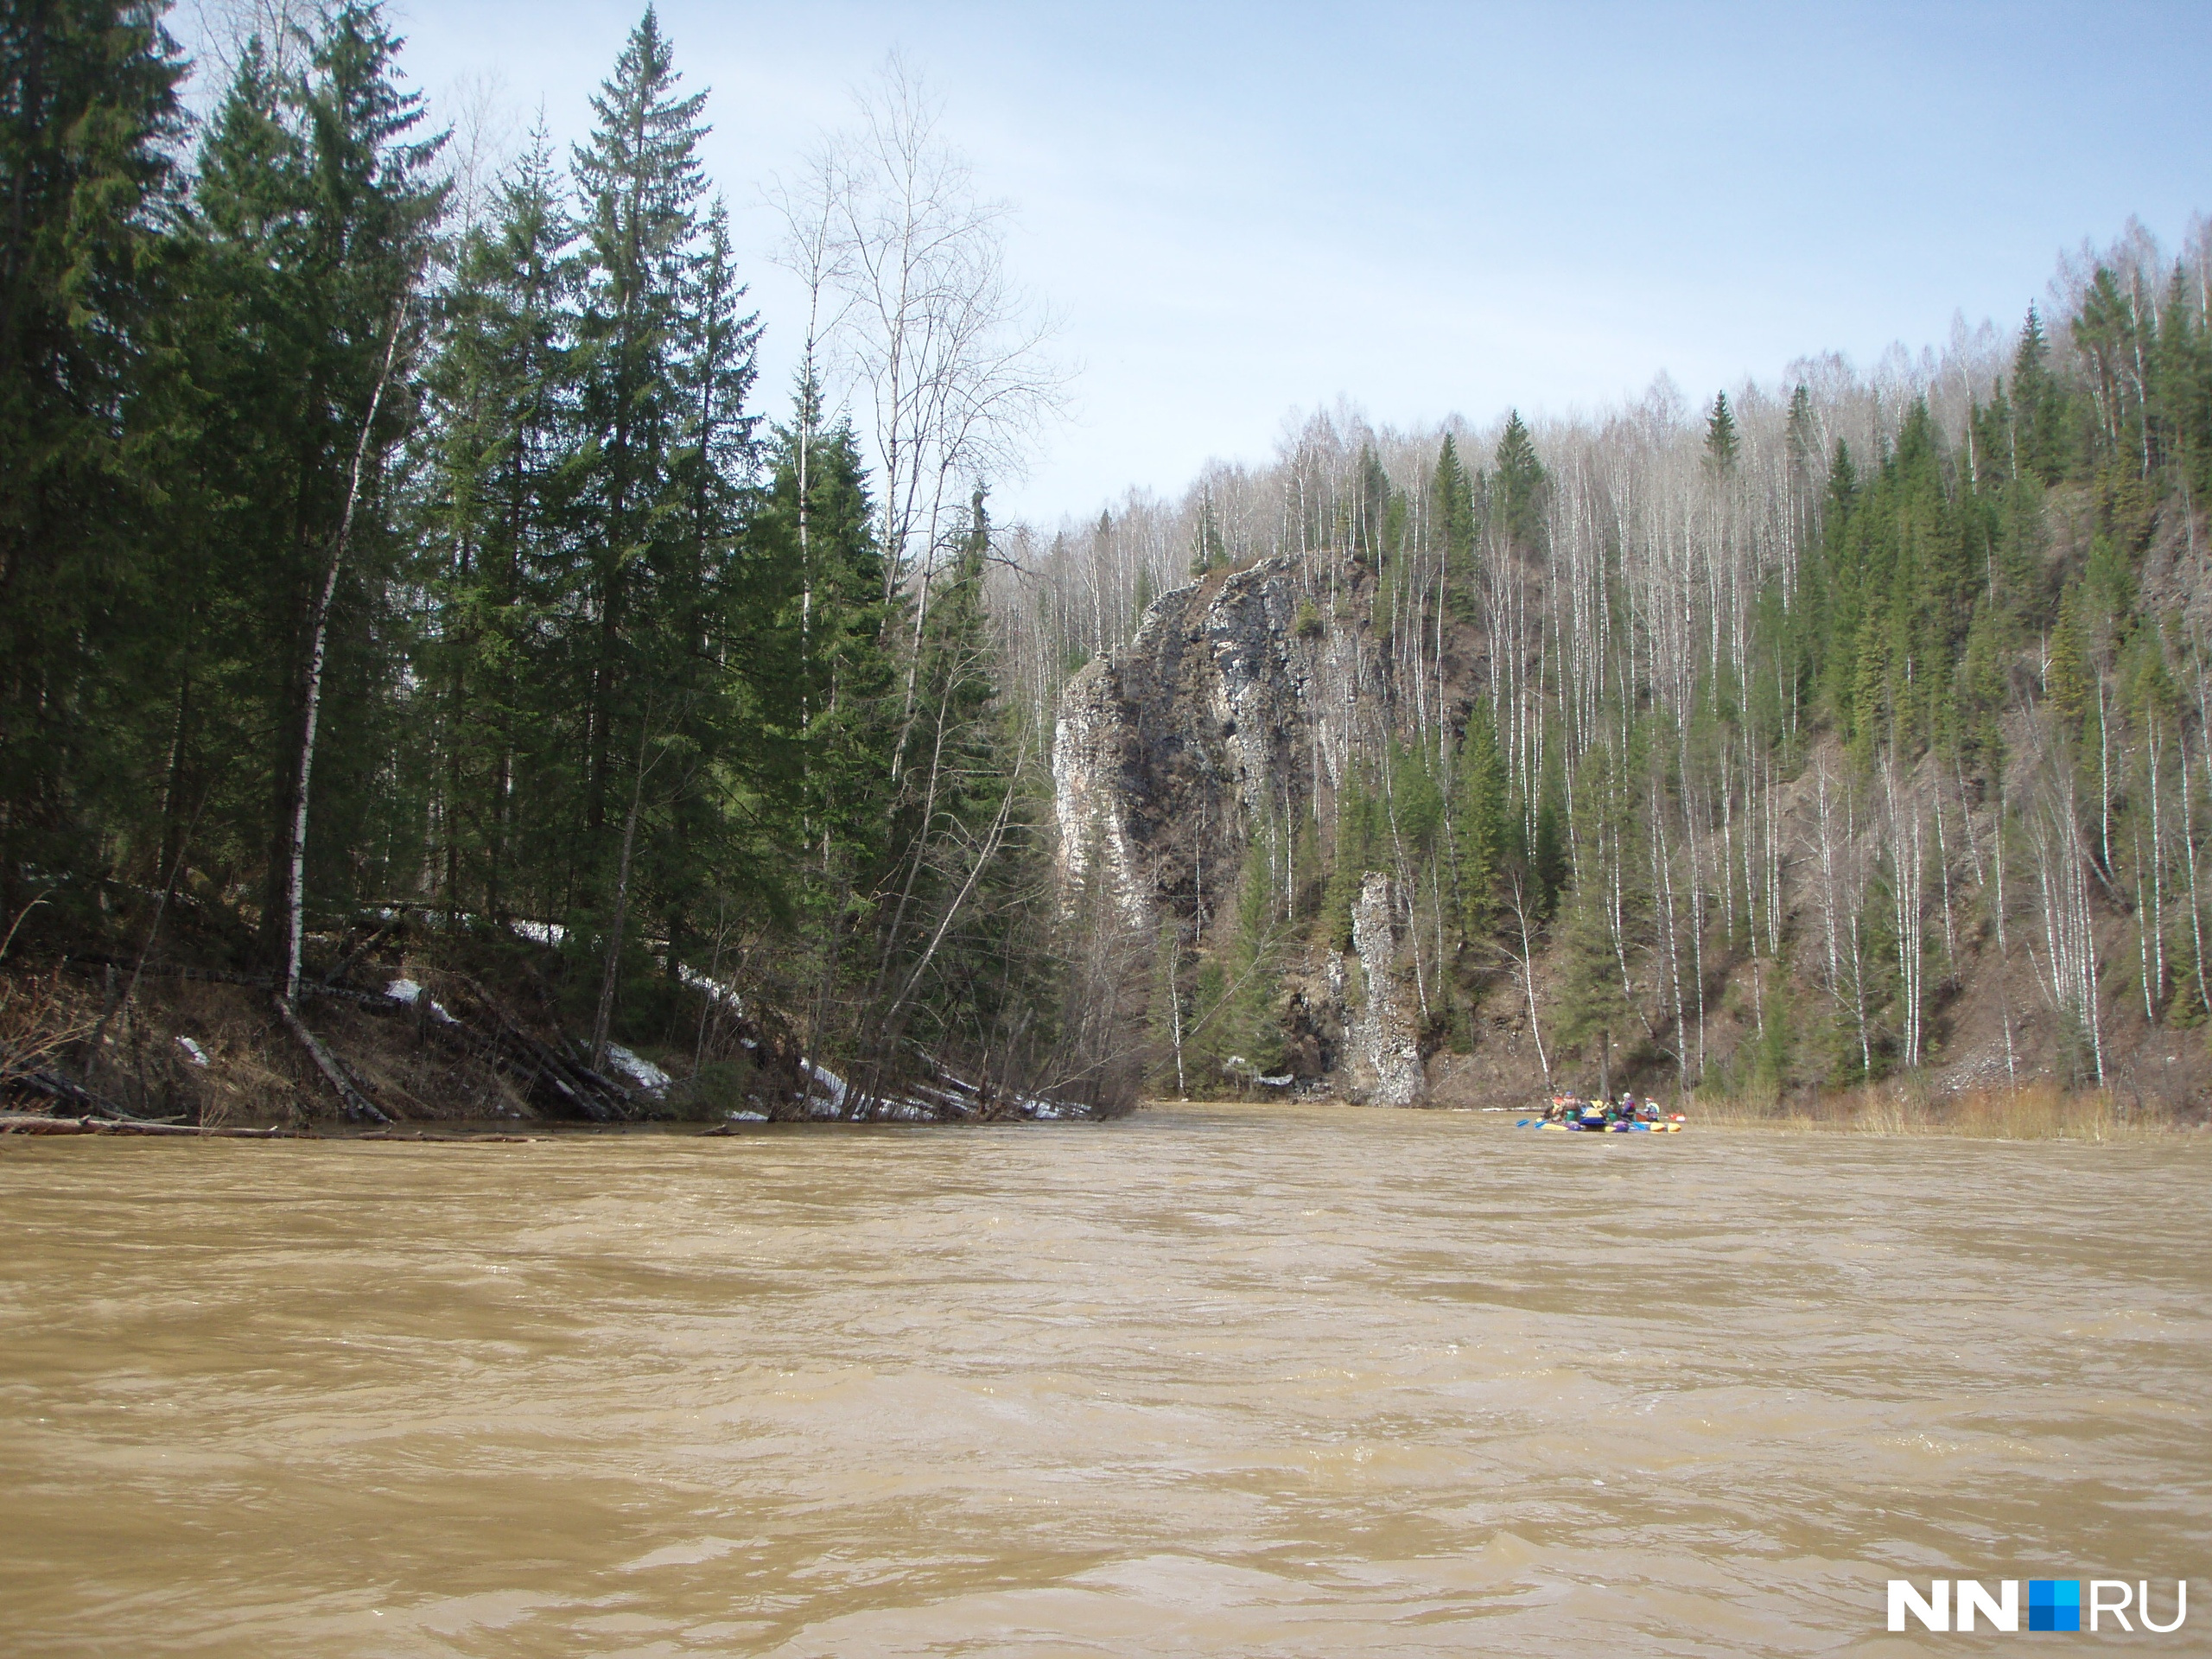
596, 1096
600, 1080
54, 1086
450, 1139
38, 1123
358, 1105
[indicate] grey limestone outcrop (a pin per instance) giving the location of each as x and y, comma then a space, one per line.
1233, 707
1383, 1064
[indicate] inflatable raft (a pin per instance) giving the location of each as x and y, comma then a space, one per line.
1617, 1126
1605, 1128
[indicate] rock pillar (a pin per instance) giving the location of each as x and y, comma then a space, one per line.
1383, 1042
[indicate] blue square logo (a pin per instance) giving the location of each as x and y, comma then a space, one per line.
2054, 1603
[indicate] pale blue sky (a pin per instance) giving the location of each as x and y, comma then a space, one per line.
1242, 210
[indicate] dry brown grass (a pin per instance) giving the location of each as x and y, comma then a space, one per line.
2035, 1111
41, 1015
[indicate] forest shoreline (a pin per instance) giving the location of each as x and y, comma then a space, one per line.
403, 1030
2034, 1111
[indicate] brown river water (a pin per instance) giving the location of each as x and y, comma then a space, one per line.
1212, 1380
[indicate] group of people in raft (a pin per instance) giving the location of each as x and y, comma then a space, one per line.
1579, 1114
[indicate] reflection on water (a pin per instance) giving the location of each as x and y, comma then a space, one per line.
1212, 1380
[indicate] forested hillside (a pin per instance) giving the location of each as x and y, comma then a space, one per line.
1853, 728
382, 559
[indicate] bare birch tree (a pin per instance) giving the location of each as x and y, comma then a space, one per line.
919, 320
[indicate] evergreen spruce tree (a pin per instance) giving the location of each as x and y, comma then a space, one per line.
1241, 1034
1549, 859
2067, 677
88, 120
2041, 440
729, 668
1517, 489
1455, 517
317, 203
1981, 697
2183, 363
490, 523
640, 188
663, 462
833, 618
1721, 441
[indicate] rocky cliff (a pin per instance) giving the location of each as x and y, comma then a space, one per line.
1235, 705
1239, 704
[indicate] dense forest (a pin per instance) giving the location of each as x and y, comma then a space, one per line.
373, 539
388, 552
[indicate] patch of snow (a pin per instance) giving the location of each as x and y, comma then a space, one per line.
541, 933
746, 1117
641, 1072
198, 1054
1282, 1082
407, 991
833, 1088
713, 988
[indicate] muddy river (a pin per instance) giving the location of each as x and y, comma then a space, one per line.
1208, 1381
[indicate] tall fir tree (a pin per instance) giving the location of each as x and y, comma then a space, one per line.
1517, 485
318, 200
89, 121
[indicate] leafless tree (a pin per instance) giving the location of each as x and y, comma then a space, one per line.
918, 318
2067, 965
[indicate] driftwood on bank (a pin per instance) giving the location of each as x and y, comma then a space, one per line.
562, 1082
38, 1123
54, 1086
578, 1085
358, 1105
